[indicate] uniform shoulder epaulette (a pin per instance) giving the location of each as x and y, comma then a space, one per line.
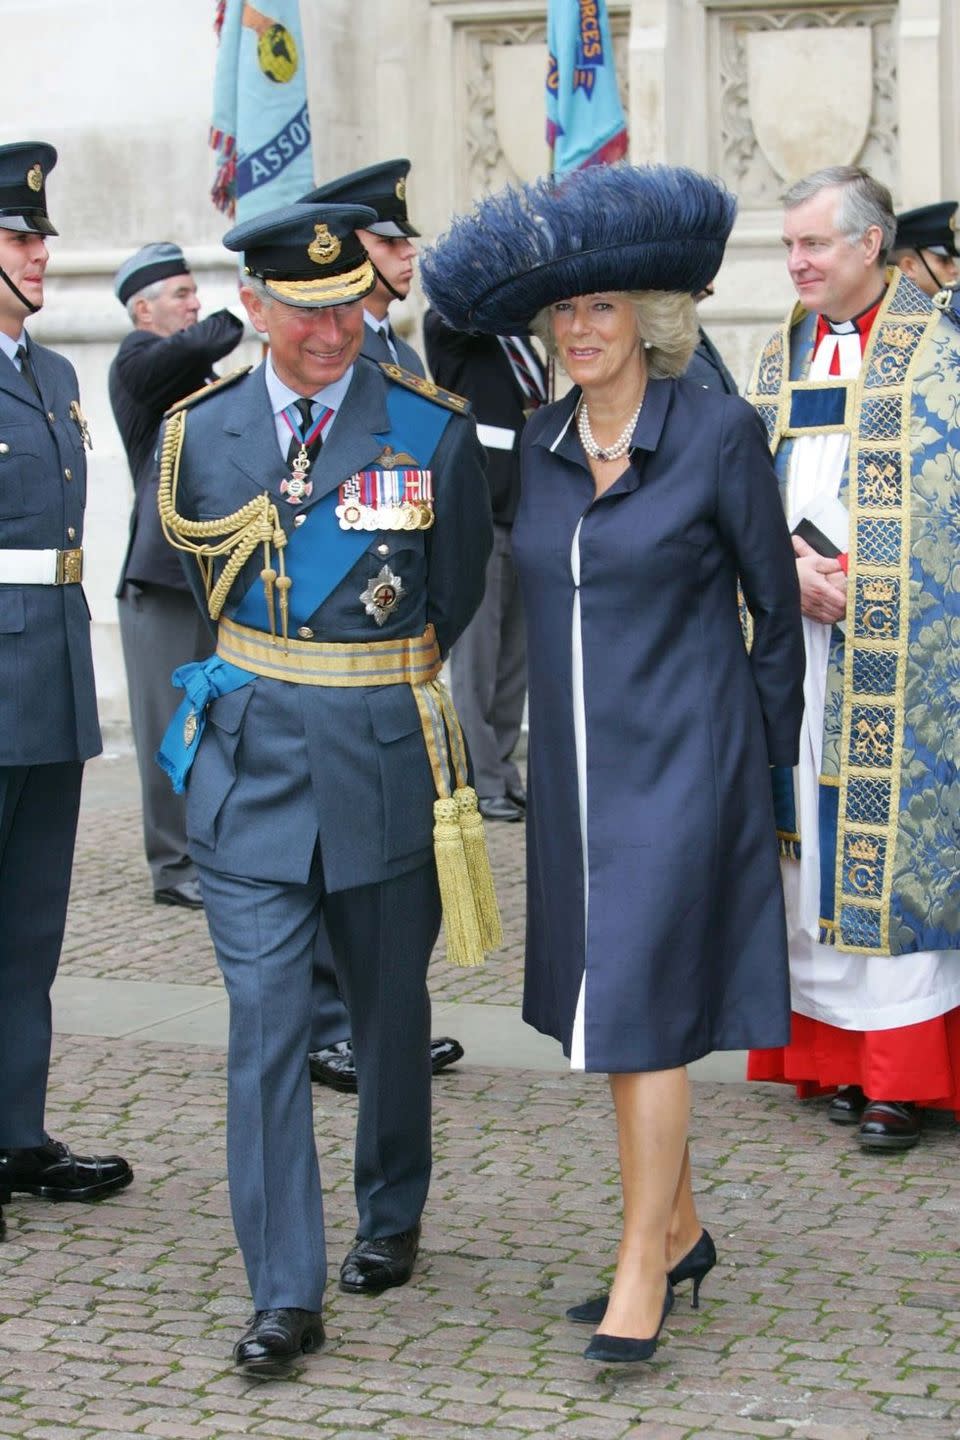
206, 391
425, 387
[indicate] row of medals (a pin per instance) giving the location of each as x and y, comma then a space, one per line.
408, 515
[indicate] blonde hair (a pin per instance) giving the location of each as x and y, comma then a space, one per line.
666, 326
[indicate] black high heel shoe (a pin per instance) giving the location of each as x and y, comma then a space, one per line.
619, 1349
697, 1263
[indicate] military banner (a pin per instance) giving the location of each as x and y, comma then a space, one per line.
585, 120
261, 127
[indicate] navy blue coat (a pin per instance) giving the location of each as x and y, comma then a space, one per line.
48, 704
281, 765
685, 946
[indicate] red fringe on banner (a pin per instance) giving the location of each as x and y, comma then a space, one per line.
222, 191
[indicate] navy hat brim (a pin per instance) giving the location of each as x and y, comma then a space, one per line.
394, 229
601, 229
38, 224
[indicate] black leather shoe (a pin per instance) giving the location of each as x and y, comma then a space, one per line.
53, 1172
375, 1265
274, 1338
846, 1107
3, 1227
519, 797
499, 807
186, 895
334, 1066
888, 1125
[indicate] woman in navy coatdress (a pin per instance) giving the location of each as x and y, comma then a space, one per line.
655, 927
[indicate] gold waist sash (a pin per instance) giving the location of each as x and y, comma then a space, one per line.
410, 661
471, 916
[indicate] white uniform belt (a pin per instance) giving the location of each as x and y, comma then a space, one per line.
41, 567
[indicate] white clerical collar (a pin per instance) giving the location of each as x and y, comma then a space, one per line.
281, 395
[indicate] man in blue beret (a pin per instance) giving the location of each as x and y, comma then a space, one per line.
169, 353
48, 707
339, 514
925, 246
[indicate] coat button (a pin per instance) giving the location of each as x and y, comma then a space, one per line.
50, 416
383, 549
4, 448
67, 473
299, 520
305, 632
71, 533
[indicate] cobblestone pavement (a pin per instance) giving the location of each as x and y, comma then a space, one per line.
833, 1314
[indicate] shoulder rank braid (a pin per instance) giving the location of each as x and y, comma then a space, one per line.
236, 535
457, 403
205, 391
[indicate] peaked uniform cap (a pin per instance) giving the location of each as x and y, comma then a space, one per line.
929, 227
158, 261
602, 228
307, 255
383, 187
24, 167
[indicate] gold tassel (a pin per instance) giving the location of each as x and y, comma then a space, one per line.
478, 868
460, 922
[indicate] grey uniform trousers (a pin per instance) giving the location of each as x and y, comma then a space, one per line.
488, 675
39, 805
265, 936
160, 628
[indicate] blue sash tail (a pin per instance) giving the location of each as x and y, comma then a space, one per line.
203, 681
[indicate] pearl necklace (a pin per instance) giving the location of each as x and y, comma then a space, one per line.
620, 446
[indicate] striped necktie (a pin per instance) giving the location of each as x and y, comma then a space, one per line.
527, 374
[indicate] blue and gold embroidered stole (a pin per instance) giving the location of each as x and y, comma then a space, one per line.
864, 722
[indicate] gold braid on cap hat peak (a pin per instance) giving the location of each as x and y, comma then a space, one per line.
256, 523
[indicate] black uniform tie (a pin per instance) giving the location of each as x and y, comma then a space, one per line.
26, 370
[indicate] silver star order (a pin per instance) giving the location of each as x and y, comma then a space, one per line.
382, 594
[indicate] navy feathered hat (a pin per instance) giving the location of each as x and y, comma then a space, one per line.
603, 228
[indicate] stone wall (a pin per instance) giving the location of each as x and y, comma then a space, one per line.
753, 91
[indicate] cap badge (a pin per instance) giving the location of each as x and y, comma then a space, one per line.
400, 189
324, 248
952, 222
35, 178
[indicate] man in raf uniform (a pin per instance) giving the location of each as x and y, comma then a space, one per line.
341, 519
168, 354
925, 247
388, 240
504, 379
48, 708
